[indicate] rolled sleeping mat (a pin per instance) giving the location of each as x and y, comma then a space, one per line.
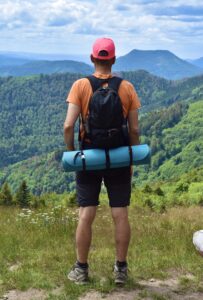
99, 159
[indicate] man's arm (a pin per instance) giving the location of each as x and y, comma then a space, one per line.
133, 127
71, 117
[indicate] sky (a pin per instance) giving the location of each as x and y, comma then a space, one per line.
70, 27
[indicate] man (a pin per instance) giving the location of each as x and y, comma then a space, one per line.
88, 183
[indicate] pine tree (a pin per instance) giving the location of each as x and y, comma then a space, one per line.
5, 195
147, 189
23, 195
159, 191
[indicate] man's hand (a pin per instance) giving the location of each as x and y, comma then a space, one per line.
70, 148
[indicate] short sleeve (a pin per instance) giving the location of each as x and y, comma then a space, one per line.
74, 94
135, 102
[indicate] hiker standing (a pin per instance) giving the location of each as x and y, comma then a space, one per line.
107, 106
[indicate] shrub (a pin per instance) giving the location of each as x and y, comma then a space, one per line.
23, 195
6, 197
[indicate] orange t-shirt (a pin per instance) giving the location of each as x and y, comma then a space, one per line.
81, 92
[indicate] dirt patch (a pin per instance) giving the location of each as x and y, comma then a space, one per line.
117, 295
148, 290
14, 267
31, 294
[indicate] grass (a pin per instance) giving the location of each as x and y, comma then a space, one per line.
41, 244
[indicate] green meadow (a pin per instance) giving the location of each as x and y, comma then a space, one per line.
37, 248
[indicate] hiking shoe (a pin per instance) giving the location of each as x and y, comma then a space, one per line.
120, 274
78, 275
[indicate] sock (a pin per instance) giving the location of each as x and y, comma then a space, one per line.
82, 265
121, 264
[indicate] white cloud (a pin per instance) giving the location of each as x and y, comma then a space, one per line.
58, 25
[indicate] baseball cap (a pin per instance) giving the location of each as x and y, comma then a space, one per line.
103, 44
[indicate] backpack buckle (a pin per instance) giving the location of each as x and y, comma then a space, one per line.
112, 131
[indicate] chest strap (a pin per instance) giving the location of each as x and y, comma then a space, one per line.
131, 155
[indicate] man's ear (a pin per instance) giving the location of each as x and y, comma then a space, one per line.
113, 60
92, 58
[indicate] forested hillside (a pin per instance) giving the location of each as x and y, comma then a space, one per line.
42, 173
175, 135
32, 112
33, 109
156, 92
176, 139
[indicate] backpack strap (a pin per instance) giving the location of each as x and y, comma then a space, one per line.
108, 161
95, 82
82, 156
131, 155
114, 83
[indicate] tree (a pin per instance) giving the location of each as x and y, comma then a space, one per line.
182, 187
6, 197
23, 195
159, 191
147, 189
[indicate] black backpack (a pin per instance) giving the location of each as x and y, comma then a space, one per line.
105, 126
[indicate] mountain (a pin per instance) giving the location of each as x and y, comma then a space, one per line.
162, 63
46, 67
7, 60
198, 62
33, 109
29, 56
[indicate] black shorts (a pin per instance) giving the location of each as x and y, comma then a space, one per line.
117, 182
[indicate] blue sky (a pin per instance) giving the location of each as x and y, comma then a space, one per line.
70, 27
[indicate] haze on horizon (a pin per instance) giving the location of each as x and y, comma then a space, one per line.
70, 27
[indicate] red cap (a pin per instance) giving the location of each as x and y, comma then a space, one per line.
101, 45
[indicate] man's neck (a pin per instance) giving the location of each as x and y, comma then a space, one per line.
102, 70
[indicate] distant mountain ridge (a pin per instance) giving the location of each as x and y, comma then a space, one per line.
6, 60
46, 67
45, 56
197, 62
162, 63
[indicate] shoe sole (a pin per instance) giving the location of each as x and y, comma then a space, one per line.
78, 282
118, 282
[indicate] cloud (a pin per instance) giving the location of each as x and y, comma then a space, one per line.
2, 25
88, 29
137, 23
14, 15
122, 7
190, 19
59, 21
179, 10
